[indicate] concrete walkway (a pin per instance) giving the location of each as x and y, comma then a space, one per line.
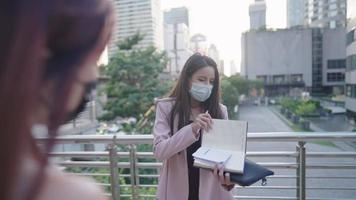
262, 119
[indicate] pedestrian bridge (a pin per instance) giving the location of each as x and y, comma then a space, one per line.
124, 165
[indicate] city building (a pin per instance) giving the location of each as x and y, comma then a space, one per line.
177, 16
213, 53
177, 47
222, 68
325, 13
233, 68
257, 12
199, 44
350, 102
133, 16
295, 13
307, 59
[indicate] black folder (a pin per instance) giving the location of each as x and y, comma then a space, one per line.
253, 172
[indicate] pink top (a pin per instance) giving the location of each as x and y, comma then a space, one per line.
173, 180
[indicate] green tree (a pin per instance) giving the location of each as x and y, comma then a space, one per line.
133, 79
289, 104
255, 84
240, 83
305, 108
230, 96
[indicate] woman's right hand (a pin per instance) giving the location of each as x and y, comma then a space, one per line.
202, 122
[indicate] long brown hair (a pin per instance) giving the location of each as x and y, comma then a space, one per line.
41, 40
182, 105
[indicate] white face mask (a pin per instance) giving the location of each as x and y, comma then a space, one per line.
200, 92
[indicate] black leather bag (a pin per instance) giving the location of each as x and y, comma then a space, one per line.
253, 172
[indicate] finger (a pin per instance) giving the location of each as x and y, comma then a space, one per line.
221, 169
203, 124
221, 176
197, 126
208, 116
200, 122
207, 121
227, 179
215, 171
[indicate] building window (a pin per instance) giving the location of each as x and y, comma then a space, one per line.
296, 78
262, 78
351, 62
332, 24
333, 6
337, 64
278, 79
335, 77
332, 13
350, 37
351, 90
348, 90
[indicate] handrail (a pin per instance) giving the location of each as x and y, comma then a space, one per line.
251, 137
113, 159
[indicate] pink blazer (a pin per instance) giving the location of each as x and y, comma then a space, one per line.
173, 179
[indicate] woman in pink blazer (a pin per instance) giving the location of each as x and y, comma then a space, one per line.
180, 121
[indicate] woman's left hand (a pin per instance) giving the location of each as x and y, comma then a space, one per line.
224, 178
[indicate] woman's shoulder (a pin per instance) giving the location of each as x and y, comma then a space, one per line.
166, 103
222, 106
69, 187
165, 99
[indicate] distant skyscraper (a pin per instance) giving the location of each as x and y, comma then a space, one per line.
176, 39
350, 102
177, 16
295, 12
176, 45
233, 69
213, 53
132, 16
325, 13
222, 68
257, 12
199, 43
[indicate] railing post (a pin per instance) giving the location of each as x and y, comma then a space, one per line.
114, 175
92, 111
300, 172
133, 172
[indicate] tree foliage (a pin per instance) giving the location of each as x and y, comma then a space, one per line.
133, 79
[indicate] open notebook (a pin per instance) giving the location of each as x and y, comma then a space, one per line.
225, 143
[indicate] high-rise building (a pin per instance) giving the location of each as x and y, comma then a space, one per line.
177, 16
213, 53
198, 43
325, 13
176, 39
222, 68
350, 102
176, 46
295, 13
309, 59
133, 16
233, 69
257, 12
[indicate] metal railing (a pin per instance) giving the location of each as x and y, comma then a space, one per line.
121, 153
